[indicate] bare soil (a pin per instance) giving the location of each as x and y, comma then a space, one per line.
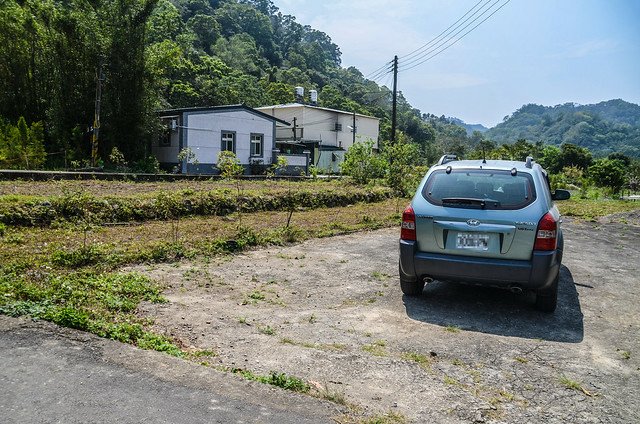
331, 312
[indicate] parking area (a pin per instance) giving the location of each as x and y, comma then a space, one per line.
330, 311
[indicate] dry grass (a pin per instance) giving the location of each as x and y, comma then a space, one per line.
100, 188
193, 233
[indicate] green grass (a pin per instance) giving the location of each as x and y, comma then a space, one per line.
380, 276
269, 331
377, 348
423, 360
575, 385
100, 303
390, 417
590, 209
570, 384
625, 354
97, 205
282, 380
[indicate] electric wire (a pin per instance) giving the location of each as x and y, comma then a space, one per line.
386, 65
412, 65
381, 73
415, 52
428, 53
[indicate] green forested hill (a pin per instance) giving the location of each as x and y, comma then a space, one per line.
603, 128
159, 54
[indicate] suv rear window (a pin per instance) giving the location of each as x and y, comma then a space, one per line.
480, 188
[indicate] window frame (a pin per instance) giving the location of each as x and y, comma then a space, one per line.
223, 141
531, 187
252, 143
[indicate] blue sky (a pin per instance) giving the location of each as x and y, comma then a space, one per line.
531, 51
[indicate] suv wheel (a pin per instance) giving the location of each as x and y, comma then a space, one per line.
547, 299
411, 288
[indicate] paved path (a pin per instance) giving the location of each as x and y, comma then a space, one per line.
56, 375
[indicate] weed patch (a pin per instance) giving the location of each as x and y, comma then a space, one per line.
377, 348
282, 380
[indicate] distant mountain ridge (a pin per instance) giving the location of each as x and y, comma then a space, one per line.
605, 127
469, 127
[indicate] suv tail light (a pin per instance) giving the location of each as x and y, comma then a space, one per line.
408, 229
547, 234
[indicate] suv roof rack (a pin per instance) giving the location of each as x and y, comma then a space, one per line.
446, 159
528, 163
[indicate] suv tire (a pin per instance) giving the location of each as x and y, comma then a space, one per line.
411, 288
547, 299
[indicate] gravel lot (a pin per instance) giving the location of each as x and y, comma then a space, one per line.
331, 311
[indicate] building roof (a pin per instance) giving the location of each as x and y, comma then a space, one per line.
223, 108
292, 105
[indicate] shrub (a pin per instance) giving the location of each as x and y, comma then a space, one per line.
363, 164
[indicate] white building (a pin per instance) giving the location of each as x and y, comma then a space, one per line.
326, 133
207, 131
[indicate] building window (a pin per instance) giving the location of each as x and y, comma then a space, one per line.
165, 137
257, 144
228, 141
338, 126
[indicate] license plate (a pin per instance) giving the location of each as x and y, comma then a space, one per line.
473, 241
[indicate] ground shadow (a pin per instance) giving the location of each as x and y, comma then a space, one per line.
500, 312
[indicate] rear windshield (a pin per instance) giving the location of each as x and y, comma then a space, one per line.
482, 189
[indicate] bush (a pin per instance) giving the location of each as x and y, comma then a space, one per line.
85, 208
363, 164
148, 165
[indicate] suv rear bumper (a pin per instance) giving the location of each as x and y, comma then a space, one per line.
536, 274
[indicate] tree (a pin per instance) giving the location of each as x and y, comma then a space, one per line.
22, 146
608, 173
572, 155
401, 158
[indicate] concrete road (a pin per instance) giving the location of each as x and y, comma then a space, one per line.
55, 375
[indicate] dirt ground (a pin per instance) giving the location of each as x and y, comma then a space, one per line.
331, 312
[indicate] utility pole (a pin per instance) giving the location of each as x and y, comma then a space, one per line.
354, 128
294, 129
395, 99
96, 118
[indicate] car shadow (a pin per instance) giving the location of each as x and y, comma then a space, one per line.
500, 312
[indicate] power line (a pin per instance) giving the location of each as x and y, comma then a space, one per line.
385, 66
459, 28
381, 73
412, 53
412, 63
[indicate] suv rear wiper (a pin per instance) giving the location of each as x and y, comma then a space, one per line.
470, 201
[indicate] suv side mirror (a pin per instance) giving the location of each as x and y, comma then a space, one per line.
560, 194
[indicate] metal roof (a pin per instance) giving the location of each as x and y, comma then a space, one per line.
292, 105
223, 108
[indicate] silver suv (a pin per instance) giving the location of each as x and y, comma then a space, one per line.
486, 222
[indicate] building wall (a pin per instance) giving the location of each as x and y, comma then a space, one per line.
168, 153
201, 131
203, 134
320, 125
330, 160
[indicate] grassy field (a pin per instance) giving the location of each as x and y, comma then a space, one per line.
71, 269
99, 188
591, 209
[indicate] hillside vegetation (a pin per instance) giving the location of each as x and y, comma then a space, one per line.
158, 54
603, 128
